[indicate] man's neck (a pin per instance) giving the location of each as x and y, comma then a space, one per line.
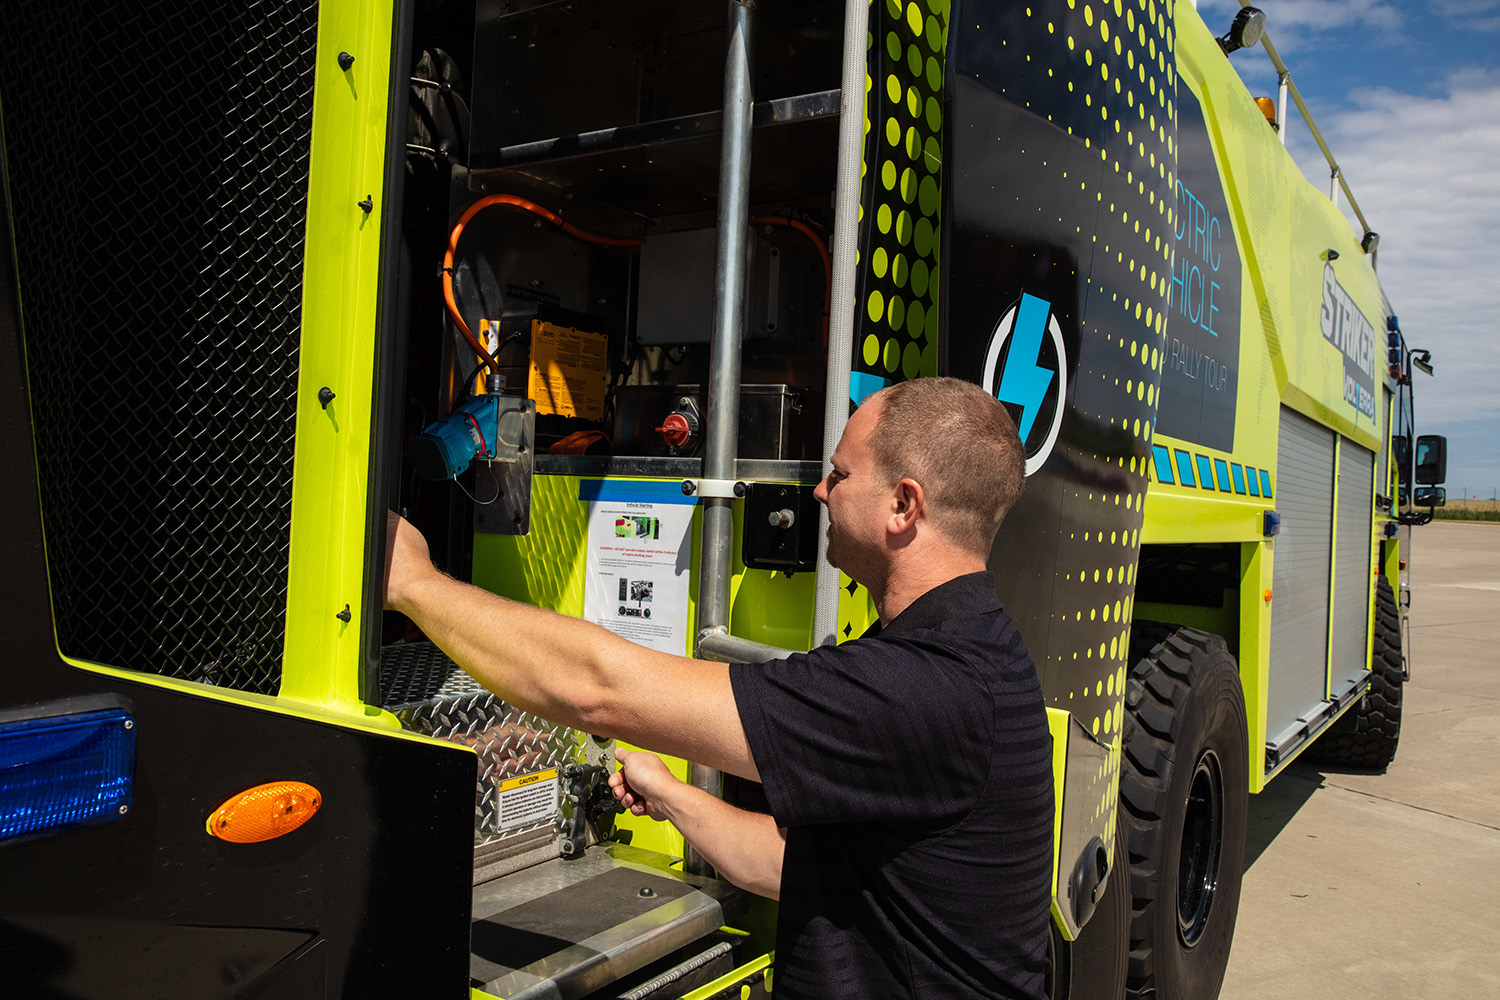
909, 579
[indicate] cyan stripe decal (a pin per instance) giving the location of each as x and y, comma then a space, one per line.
1205, 472
1239, 479
862, 384
1221, 470
1185, 469
1265, 485
1163, 465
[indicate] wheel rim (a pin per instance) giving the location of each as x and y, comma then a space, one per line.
1202, 836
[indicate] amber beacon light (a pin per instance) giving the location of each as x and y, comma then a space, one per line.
265, 812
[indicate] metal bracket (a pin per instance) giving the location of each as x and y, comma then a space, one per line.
714, 489
502, 488
588, 807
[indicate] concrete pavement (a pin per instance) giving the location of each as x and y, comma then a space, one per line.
1369, 886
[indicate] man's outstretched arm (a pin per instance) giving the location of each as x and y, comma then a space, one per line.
746, 848
566, 670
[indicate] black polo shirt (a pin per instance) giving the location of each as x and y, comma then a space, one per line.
912, 769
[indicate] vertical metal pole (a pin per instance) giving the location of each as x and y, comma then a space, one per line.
1281, 88
851, 152
721, 437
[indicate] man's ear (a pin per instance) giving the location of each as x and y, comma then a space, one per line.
908, 505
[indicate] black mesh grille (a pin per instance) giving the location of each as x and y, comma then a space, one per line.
157, 155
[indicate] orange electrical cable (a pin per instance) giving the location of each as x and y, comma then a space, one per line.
812, 234
458, 230
607, 241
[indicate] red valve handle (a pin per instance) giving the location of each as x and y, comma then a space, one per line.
675, 430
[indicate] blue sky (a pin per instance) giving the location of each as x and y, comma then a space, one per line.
1408, 96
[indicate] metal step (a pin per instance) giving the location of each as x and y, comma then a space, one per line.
568, 927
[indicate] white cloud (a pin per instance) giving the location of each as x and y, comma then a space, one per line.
1423, 167
1464, 8
1290, 21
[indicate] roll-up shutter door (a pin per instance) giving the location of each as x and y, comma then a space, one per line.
1299, 612
1351, 573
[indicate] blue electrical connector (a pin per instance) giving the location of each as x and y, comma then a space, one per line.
445, 448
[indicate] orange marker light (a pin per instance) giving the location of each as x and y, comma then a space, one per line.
1268, 594
265, 812
1268, 108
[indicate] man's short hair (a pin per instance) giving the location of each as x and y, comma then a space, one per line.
961, 445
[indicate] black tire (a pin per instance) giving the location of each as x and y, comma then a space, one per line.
1367, 735
1184, 799
1093, 967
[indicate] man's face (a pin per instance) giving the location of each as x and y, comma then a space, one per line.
857, 497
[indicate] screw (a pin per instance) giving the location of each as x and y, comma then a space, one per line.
129, 723
689, 487
567, 847
647, 892
368, 205
345, 61
739, 489
344, 616
124, 810
325, 396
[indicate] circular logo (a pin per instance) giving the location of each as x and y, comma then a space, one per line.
1025, 368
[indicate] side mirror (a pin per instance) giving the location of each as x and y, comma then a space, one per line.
1401, 449
1432, 496
1432, 459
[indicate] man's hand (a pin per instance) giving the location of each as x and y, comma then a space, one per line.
644, 785
407, 560
746, 848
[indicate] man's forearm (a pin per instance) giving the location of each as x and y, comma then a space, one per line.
576, 673
747, 848
514, 650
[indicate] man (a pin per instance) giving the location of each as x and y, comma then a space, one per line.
908, 772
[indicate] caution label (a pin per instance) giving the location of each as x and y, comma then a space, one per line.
568, 370
529, 799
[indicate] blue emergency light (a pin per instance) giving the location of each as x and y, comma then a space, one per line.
446, 447
65, 771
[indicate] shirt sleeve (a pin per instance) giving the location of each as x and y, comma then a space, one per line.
898, 730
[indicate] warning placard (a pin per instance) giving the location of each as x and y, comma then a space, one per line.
568, 370
638, 558
529, 799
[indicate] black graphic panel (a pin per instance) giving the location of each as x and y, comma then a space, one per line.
1058, 232
1200, 379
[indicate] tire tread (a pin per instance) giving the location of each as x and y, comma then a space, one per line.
1376, 732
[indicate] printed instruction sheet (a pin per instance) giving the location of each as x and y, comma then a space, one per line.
639, 557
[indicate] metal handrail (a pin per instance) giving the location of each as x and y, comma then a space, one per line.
1337, 181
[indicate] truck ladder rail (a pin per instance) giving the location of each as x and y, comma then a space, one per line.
1337, 181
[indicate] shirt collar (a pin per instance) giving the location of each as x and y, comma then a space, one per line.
971, 594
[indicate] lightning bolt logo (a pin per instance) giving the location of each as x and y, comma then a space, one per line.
1023, 383
1030, 339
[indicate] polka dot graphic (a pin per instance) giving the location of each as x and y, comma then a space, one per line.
900, 204
1061, 164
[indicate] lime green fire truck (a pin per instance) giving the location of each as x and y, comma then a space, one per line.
588, 288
